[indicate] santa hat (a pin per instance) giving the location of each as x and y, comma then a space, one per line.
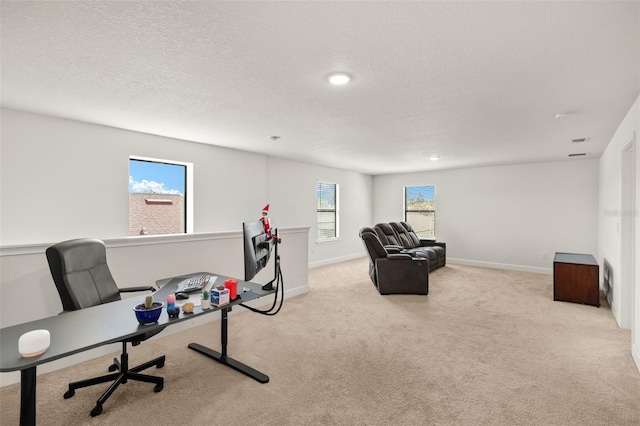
265, 209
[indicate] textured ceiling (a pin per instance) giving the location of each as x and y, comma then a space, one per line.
478, 83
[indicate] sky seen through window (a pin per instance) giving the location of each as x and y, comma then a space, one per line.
147, 177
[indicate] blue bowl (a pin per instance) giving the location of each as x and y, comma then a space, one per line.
148, 316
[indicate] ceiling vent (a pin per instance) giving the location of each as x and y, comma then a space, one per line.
579, 140
579, 154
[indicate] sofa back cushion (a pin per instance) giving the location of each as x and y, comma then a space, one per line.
412, 234
403, 236
387, 235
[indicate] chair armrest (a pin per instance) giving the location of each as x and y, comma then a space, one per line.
135, 289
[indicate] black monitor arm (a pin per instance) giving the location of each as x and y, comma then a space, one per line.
275, 240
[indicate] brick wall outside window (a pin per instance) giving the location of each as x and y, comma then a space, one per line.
157, 213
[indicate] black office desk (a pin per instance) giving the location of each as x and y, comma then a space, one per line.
170, 285
79, 331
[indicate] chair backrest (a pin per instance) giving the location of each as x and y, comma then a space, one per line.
388, 236
80, 272
403, 235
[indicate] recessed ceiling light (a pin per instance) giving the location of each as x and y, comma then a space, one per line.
434, 157
339, 78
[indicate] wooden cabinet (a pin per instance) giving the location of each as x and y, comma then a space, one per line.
576, 278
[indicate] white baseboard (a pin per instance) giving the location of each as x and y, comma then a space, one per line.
614, 312
521, 268
635, 353
336, 260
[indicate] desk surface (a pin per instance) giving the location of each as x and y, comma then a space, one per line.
85, 329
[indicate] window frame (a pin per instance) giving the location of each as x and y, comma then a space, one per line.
188, 198
335, 210
433, 211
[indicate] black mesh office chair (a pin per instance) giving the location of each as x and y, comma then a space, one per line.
82, 277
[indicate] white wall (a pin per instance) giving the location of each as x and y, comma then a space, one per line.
635, 330
505, 216
62, 179
292, 192
142, 261
612, 216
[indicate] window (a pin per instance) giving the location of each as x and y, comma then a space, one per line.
158, 197
327, 211
420, 209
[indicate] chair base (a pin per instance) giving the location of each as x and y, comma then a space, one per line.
125, 374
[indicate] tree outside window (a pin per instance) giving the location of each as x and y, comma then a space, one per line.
420, 209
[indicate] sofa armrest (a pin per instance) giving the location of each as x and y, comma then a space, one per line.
399, 256
430, 242
393, 249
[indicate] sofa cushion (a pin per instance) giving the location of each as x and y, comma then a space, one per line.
403, 235
386, 234
399, 237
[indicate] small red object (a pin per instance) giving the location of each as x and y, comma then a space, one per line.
232, 285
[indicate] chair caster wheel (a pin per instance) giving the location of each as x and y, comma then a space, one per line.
113, 367
160, 364
96, 411
158, 388
68, 394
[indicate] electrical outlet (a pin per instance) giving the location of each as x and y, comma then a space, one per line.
544, 255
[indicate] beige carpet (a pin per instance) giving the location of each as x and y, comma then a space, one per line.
485, 347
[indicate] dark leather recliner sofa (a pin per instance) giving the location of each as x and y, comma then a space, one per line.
399, 237
394, 273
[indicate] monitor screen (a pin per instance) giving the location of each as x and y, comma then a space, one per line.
257, 248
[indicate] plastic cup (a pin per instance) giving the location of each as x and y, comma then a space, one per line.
232, 285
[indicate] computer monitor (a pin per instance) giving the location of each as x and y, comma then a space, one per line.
257, 248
